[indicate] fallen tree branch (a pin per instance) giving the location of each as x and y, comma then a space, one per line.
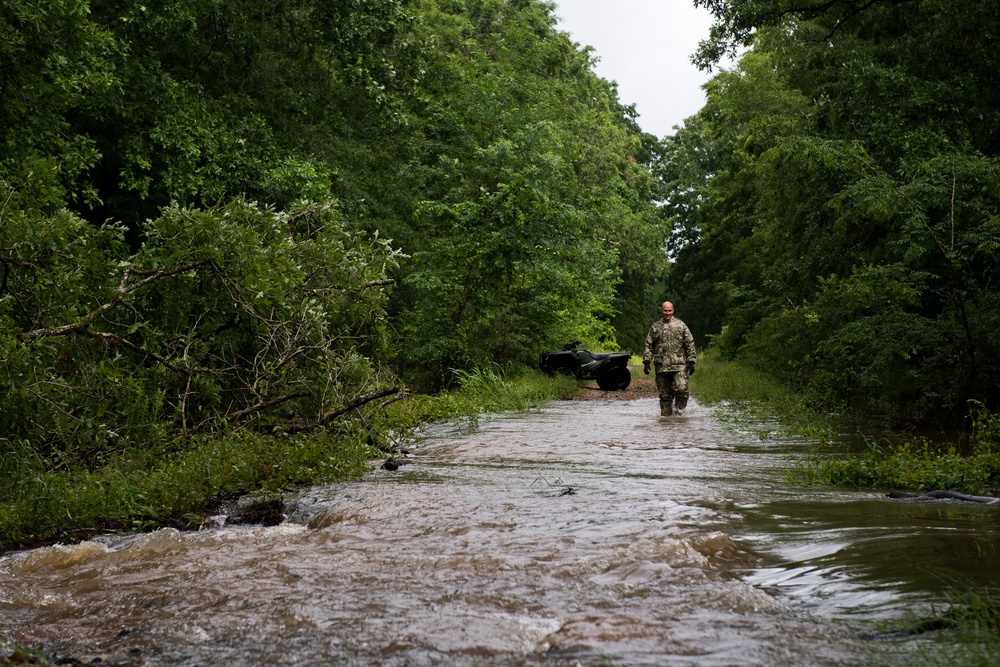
233, 416
123, 290
389, 401
368, 398
946, 495
333, 414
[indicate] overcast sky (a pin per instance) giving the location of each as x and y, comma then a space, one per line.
646, 46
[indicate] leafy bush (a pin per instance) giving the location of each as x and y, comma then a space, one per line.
222, 316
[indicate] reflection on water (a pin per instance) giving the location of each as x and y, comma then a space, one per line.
874, 556
587, 532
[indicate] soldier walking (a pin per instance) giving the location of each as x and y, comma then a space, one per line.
670, 346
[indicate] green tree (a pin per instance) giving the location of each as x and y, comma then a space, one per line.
233, 315
53, 57
240, 97
848, 241
535, 223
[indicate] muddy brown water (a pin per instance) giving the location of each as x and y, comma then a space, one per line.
587, 532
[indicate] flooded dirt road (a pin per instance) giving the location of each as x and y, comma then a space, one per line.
589, 532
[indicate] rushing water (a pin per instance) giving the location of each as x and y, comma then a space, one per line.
590, 533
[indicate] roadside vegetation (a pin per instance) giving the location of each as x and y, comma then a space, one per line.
915, 465
180, 482
748, 395
967, 461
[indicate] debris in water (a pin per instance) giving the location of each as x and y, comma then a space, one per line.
393, 464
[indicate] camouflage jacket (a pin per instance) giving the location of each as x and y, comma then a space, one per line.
669, 345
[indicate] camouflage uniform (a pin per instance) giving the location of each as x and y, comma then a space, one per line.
670, 346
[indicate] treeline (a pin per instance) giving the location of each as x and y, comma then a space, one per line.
266, 212
262, 212
837, 202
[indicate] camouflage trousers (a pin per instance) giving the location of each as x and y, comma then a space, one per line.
673, 390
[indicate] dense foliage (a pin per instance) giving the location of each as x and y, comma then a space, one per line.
221, 315
206, 205
837, 201
224, 224
532, 221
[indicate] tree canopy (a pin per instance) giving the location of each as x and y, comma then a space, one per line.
259, 212
836, 201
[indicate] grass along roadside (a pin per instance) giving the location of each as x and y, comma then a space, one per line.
746, 395
918, 464
181, 482
491, 389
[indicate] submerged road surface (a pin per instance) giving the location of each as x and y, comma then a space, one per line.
588, 532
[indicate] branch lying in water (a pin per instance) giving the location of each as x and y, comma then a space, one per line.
952, 495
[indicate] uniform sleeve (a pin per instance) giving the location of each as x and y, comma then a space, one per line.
689, 351
647, 353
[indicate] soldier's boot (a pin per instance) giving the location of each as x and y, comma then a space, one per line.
665, 409
680, 405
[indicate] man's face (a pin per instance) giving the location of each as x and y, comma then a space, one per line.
668, 311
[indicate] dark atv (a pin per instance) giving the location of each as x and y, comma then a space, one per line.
610, 370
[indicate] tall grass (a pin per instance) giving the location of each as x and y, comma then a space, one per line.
747, 394
483, 390
919, 464
141, 488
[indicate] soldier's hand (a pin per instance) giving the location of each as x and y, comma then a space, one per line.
690, 366
645, 367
